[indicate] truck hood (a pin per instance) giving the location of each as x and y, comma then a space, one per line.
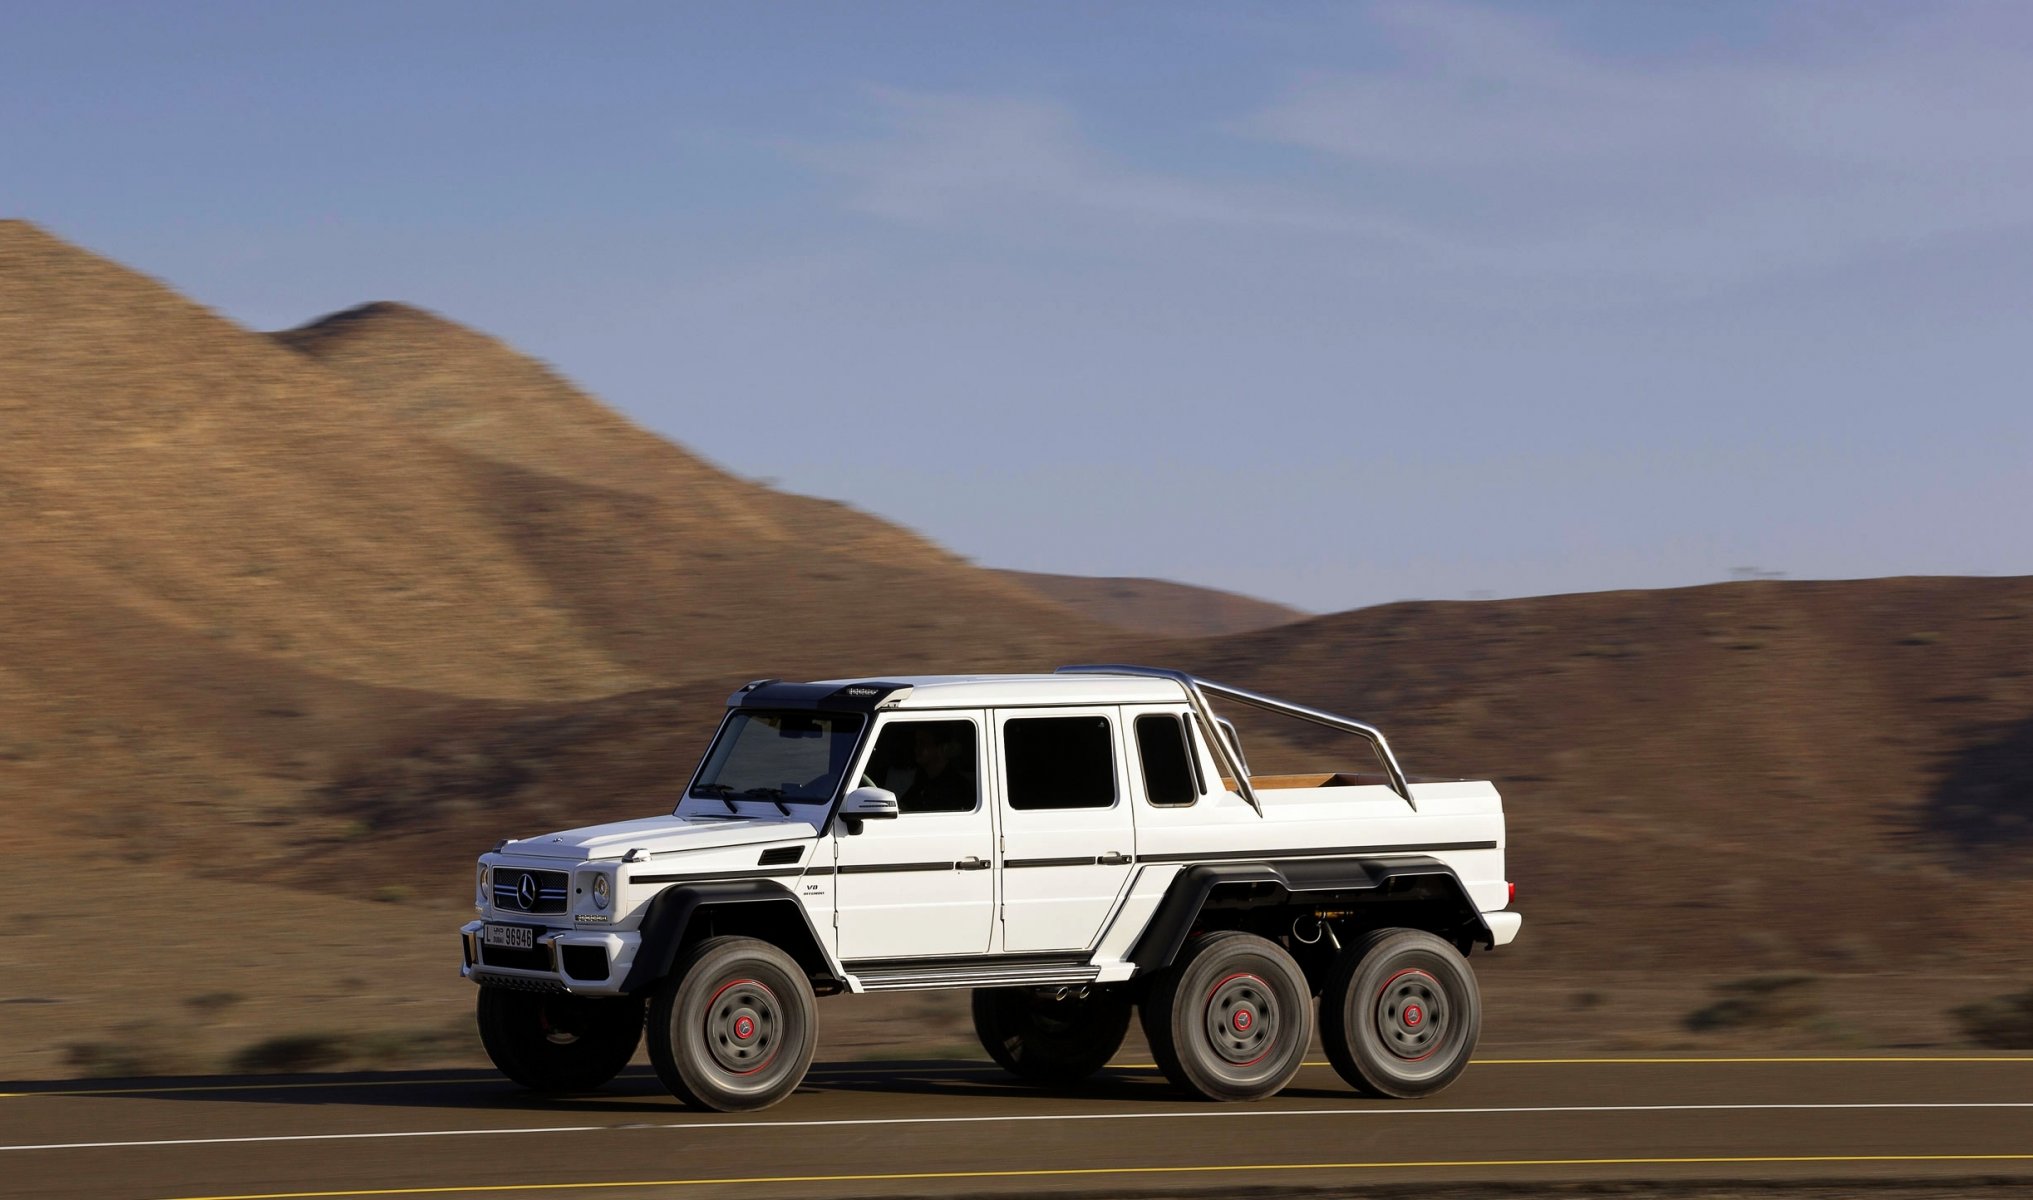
658, 835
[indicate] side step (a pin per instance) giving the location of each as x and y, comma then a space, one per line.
904, 979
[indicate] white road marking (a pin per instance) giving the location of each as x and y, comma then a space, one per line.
680, 1126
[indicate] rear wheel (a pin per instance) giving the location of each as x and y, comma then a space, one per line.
1230, 1020
551, 1042
1400, 1014
734, 1025
1050, 1036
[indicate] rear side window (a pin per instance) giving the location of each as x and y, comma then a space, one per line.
1059, 762
1161, 745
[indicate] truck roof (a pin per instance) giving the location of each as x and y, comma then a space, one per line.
982, 691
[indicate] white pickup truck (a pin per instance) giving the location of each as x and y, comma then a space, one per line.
1070, 846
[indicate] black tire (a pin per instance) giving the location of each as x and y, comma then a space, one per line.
733, 1027
1231, 1019
552, 1042
1044, 1040
1400, 1014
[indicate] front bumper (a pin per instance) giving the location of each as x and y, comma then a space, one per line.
584, 962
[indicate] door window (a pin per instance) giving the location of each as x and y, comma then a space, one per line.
1059, 762
929, 765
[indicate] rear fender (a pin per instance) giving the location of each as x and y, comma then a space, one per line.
1305, 881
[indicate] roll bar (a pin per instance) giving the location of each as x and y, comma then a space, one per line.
1196, 693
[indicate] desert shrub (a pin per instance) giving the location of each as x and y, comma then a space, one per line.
369, 1049
2002, 1023
131, 1051
209, 1002
401, 1047
1758, 1000
291, 1052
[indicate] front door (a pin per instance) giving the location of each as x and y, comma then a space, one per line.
1067, 838
922, 884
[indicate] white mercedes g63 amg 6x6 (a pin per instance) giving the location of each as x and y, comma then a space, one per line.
1069, 846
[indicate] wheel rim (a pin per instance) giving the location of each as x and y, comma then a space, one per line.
1241, 1019
1412, 1015
558, 1027
743, 1027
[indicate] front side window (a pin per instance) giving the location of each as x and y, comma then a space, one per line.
928, 765
1059, 762
791, 757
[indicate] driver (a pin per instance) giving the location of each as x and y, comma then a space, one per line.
942, 783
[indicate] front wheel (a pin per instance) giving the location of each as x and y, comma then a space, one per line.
1232, 1019
734, 1026
1400, 1014
1048, 1036
551, 1042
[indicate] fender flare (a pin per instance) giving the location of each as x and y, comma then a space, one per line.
670, 916
1302, 879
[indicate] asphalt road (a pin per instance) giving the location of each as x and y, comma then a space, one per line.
942, 1129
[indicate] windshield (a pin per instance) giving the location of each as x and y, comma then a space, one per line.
788, 757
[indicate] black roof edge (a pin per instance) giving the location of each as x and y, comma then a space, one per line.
852, 697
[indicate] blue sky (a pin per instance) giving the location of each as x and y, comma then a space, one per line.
1338, 304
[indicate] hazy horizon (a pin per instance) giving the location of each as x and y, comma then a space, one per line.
1335, 305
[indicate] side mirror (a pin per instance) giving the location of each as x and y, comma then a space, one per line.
869, 804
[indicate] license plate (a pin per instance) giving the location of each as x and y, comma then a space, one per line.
514, 937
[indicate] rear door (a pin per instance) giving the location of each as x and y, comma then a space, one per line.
1068, 841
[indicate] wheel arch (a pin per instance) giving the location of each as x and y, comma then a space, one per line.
1405, 880
685, 914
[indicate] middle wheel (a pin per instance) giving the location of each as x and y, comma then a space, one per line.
732, 1027
1047, 1036
1231, 1020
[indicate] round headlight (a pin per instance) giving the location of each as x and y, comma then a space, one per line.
480, 886
603, 891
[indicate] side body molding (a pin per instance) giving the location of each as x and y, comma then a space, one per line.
671, 912
1301, 881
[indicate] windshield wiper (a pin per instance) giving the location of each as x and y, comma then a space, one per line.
773, 795
720, 792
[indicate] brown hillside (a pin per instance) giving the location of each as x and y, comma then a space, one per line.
1748, 776
1157, 607
474, 393
161, 458
670, 565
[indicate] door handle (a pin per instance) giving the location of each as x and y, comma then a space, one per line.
1114, 858
971, 863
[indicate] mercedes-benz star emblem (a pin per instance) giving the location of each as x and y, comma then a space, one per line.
525, 892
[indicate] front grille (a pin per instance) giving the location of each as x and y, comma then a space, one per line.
537, 958
519, 890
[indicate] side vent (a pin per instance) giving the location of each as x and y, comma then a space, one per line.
781, 856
